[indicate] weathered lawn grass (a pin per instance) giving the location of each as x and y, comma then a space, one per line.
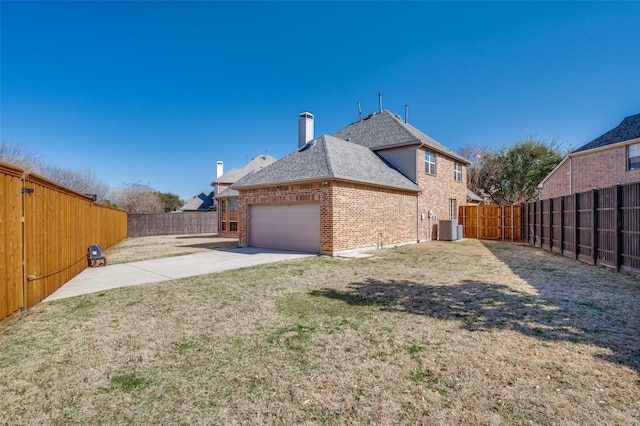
436, 333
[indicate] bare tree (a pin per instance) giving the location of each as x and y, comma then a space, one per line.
16, 155
137, 198
84, 181
480, 167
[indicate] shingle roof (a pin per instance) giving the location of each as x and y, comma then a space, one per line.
384, 130
473, 196
234, 175
229, 192
202, 201
628, 129
328, 157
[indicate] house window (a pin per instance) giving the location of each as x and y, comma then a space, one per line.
453, 209
633, 157
233, 214
429, 163
457, 172
223, 214
228, 214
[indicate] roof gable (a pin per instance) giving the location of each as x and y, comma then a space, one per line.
385, 130
328, 157
256, 163
627, 130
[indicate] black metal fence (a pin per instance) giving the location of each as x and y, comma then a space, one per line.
601, 227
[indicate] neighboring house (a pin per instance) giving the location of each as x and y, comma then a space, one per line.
227, 198
378, 182
613, 158
474, 199
202, 201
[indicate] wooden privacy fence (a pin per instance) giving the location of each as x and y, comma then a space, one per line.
45, 231
491, 222
600, 227
195, 222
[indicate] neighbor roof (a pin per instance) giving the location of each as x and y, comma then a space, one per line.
386, 130
328, 157
473, 196
202, 201
255, 164
627, 130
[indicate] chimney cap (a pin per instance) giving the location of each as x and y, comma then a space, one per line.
306, 115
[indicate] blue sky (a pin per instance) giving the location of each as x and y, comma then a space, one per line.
157, 92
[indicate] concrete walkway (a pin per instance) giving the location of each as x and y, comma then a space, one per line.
96, 279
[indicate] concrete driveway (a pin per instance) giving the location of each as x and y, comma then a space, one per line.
93, 280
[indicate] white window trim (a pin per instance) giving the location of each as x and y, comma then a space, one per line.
636, 147
430, 163
457, 171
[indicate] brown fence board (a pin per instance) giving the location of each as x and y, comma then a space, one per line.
491, 222
599, 227
192, 222
10, 240
46, 231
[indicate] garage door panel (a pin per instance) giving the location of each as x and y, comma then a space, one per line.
285, 226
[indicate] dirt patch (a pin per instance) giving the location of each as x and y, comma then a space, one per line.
145, 248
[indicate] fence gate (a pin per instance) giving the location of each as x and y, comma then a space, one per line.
45, 231
491, 222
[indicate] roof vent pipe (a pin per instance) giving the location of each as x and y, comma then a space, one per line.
406, 114
305, 128
380, 100
359, 111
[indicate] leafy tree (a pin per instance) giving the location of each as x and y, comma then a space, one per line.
512, 174
170, 202
137, 198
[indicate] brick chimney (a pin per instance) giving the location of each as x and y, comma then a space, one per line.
305, 128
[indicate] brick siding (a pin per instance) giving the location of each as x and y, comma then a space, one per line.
438, 189
354, 215
351, 215
599, 169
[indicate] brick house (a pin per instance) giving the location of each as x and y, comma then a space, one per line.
610, 159
227, 198
378, 182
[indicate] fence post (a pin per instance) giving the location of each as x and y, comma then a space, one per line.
535, 225
617, 235
562, 224
541, 223
576, 224
594, 226
522, 223
23, 251
478, 227
502, 223
550, 224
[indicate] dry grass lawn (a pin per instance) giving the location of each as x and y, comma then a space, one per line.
434, 333
146, 248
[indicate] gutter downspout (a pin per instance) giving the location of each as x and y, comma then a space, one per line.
418, 218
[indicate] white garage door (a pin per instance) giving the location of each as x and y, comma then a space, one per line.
285, 226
